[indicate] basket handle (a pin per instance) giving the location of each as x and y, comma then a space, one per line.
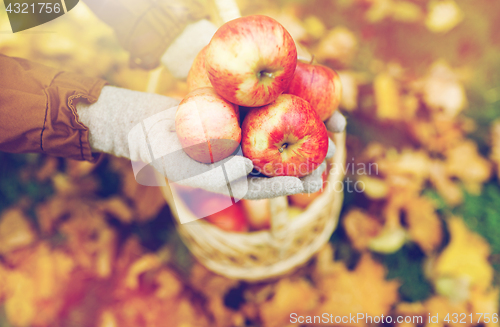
279, 220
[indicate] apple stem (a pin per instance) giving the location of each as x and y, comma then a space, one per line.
266, 74
283, 147
312, 59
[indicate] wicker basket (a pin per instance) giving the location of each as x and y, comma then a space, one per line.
266, 254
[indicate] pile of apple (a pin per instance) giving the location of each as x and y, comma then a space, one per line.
247, 87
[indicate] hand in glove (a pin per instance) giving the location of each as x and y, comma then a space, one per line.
141, 127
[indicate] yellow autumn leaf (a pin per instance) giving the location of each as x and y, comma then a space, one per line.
442, 306
466, 256
424, 225
406, 11
443, 16
20, 305
314, 26
386, 97
146, 263
15, 231
374, 188
290, 296
478, 168
362, 290
485, 302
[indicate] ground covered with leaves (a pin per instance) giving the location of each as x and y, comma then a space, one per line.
84, 245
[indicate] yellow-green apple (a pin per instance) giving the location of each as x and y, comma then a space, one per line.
284, 138
319, 85
251, 60
207, 126
197, 76
258, 213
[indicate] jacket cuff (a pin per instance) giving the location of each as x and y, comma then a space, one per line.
63, 134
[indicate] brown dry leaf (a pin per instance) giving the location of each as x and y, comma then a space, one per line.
290, 296
424, 225
169, 285
463, 161
48, 169
118, 208
76, 168
51, 211
147, 201
146, 263
362, 290
15, 231
145, 309
465, 257
91, 241
361, 228
214, 287
68, 187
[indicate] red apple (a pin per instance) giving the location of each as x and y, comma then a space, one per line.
197, 76
230, 219
217, 209
258, 213
319, 85
250, 60
207, 126
284, 138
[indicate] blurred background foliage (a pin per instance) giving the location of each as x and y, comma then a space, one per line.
85, 245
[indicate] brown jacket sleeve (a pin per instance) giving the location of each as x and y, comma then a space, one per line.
37, 109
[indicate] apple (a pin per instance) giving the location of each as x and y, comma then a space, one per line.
197, 76
250, 60
231, 219
258, 213
319, 85
207, 126
284, 138
217, 209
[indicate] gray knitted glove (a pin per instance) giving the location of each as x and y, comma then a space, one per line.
141, 127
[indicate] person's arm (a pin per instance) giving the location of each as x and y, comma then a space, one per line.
38, 109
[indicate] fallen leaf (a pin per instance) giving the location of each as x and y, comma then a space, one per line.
443, 16
424, 225
363, 290
15, 231
466, 256
290, 296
